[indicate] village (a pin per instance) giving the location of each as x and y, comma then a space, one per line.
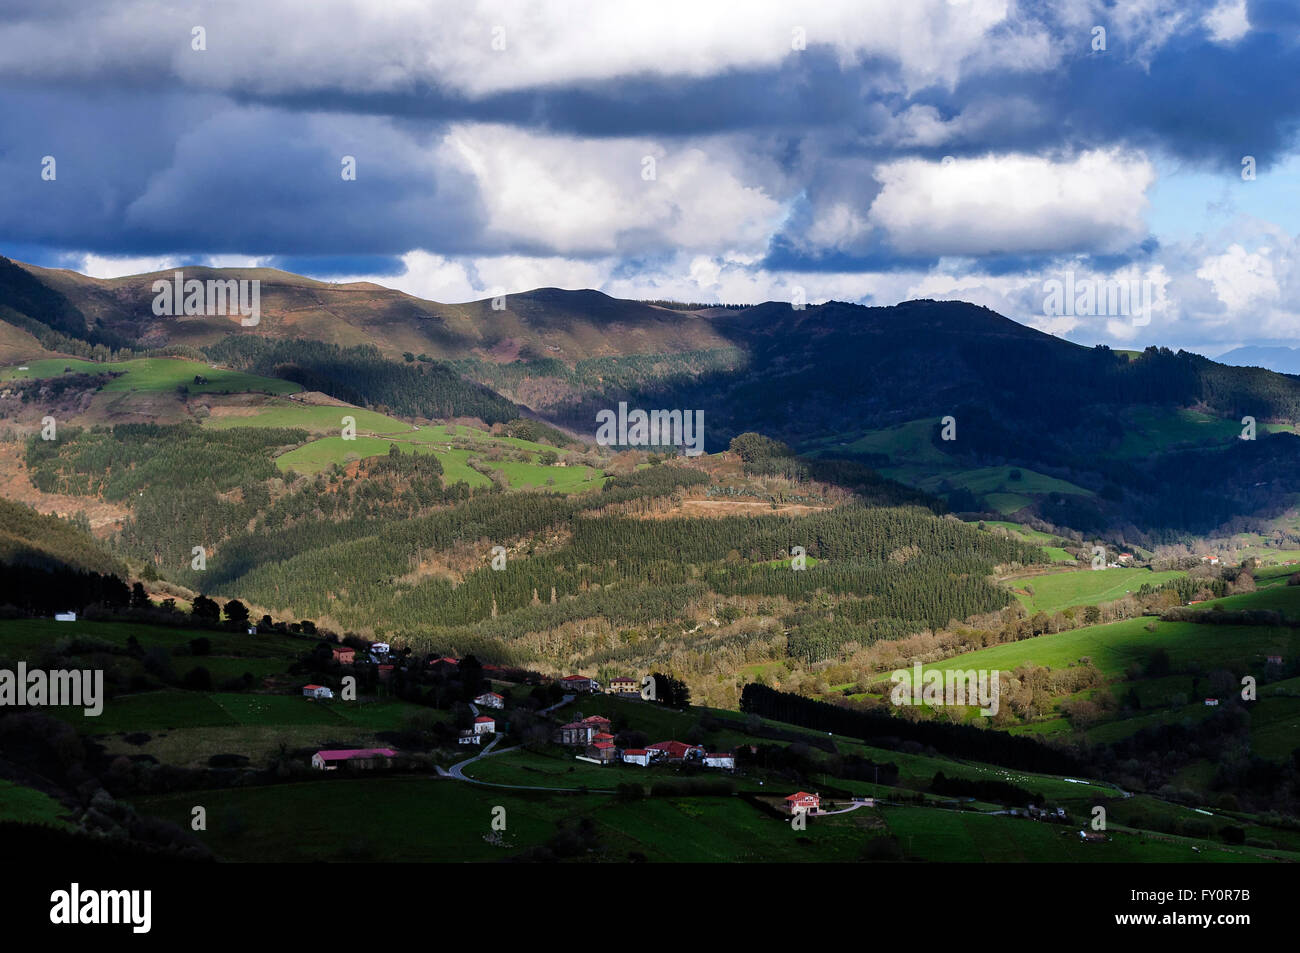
591, 736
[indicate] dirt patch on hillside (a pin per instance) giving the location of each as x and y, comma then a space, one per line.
105, 518
695, 508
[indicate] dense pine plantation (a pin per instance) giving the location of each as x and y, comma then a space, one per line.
362, 376
389, 547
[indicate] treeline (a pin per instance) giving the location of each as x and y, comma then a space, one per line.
993, 792
44, 591
362, 375
962, 741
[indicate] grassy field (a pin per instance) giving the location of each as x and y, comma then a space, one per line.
313, 821
315, 418
346, 819
24, 637
1115, 646
1053, 592
972, 838
155, 374
1055, 553
30, 806
557, 768
1150, 431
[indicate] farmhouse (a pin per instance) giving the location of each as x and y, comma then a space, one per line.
1211, 702
575, 733
344, 655
490, 700
316, 691
636, 756
803, 803
380, 648
677, 751
726, 761
579, 683
361, 758
484, 725
603, 751
599, 722
624, 686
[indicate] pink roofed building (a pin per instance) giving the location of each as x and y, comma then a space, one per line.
353, 758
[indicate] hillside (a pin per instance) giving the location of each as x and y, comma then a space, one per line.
1042, 428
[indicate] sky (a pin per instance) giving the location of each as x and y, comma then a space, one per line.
991, 151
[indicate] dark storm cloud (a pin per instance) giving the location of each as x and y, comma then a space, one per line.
233, 168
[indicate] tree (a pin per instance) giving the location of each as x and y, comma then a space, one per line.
752, 447
236, 612
140, 598
671, 691
205, 609
197, 679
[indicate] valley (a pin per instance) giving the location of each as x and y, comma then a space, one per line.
414, 511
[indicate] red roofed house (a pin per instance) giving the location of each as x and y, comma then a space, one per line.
579, 683
490, 700
676, 751
344, 655
724, 760
385, 672
636, 756
484, 725
316, 691
803, 803
353, 758
600, 736
599, 722
603, 751
1212, 702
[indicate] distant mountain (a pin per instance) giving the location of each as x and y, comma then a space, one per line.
1284, 360
1090, 422
547, 322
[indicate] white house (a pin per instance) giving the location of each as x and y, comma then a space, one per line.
65, 617
1211, 702
724, 760
316, 691
490, 700
380, 648
468, 737
636, 756
484, 725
